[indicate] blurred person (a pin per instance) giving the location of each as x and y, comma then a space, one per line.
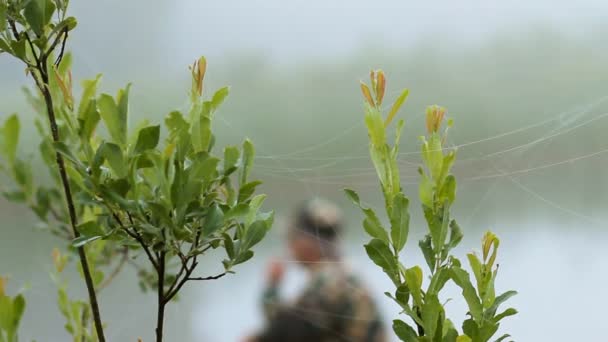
334, 306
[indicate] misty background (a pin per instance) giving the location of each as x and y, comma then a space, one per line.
526, 83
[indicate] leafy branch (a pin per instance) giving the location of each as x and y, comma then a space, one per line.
437, 193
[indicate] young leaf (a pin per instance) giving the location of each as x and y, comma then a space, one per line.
201, 130
353, 196
396, 106
413, 279
218, 98
247, 163
367, 94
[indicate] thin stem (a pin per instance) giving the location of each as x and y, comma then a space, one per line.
161, 297
210, 277
43, 85
135, 234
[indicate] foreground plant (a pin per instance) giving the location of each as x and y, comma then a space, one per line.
11, 311
171, 201
437, 193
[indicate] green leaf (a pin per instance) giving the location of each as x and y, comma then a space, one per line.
23, 176
438, 280
402, 294
228, 245
426, 246
89, 120
18, 47
254, 234
375, 126
434, 156
353, 196
68, 23
3, 9
508, 312
400, 221
247, 162
425, 190
455, 234
464, 338
396, 106
405, 332
371, 224
83, 240
231, 158
4, 46
14, 196
238, 211
114, 117
204, 167
65, 151
503, 337
380, 253
219, 97
242, 257
10, 137
461, 278
373, 227
147, 139
431, 311
413, 279
38, 14
247, 190
113, 154
499, 300
448, 161
90, 228
213, 221
201, 130
18, 309
448, 190
254, 206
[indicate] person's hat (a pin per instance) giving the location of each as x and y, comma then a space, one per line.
320, 218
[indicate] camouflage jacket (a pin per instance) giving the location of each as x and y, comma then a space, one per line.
333, 307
